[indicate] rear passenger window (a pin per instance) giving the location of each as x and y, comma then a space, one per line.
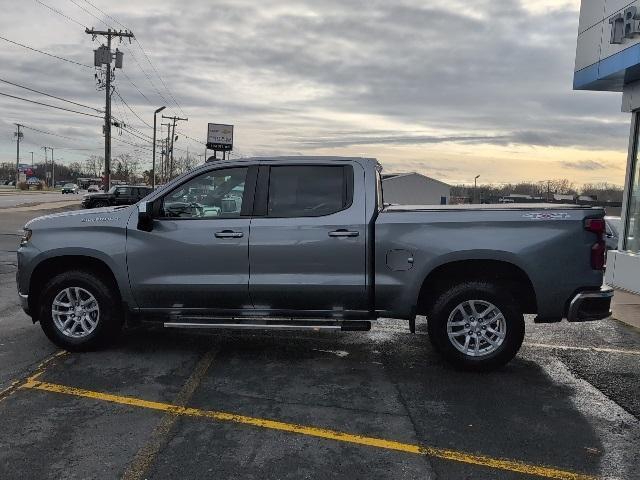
309, 191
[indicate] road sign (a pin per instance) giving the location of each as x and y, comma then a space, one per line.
219, 137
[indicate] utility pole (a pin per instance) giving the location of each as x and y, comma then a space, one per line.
31, 160
46, 180
18, 136
103, 56
53, 170
475, 188
165, 163
175, 119
153, 168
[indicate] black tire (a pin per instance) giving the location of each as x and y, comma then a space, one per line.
485, 291
110, 318
100, 204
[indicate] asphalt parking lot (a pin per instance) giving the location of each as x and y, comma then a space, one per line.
380, 404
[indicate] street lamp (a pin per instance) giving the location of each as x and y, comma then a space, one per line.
475, 187
153, 168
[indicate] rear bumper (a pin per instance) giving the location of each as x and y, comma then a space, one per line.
590, 305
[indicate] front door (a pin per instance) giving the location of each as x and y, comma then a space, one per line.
307, 244
196, 257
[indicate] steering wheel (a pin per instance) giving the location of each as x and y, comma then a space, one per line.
197, 209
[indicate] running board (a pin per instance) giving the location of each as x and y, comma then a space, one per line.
345, 326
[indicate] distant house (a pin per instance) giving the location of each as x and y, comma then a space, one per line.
414, 189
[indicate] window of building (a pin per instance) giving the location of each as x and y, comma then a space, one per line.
309, 191
214, 194
632, 226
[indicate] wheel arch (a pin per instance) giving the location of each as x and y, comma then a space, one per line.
448, 274
52, 266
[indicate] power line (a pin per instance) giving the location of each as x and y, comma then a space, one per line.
132, 111
105, 14
49, 95
60, 13
50, 106
191, 138
45, 53
88, 12
136, 87
133, 133
164, 99
159, 76
132, 144
48, 133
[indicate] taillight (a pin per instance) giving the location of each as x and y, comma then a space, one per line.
598, 249
595, 225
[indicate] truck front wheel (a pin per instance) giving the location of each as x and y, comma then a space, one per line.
79, 311
476, 325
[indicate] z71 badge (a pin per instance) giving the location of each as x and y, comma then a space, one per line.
547, 216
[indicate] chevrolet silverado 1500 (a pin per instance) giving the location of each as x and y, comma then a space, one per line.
307, 243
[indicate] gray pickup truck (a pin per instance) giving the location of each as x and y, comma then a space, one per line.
307, 243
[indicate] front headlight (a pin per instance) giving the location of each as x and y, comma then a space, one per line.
26, 236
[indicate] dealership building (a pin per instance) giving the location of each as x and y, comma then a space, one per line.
608, 59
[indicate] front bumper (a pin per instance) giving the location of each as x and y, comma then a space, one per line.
590, 305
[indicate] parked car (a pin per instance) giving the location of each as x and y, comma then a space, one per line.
614, 225
117, 195
70, 188
92, 189
308, 244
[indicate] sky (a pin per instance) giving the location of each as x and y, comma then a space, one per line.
448, 88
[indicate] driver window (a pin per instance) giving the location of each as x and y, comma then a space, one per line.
215, 194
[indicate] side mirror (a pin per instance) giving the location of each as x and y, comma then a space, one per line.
145, 216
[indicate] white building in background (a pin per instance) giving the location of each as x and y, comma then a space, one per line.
414, 189
608, 59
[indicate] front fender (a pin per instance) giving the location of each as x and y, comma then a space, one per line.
114, 261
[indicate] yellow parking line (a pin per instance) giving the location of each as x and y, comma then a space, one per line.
453, 455
36, 373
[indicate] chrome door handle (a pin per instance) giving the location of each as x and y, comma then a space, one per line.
229, 234
343, 233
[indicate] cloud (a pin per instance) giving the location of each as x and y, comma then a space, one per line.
586, 165
298, 77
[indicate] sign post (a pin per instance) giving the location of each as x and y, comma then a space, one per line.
219, 138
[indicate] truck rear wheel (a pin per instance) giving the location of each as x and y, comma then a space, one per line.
476, 325
79, 311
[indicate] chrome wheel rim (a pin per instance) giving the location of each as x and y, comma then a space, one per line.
75, 312
476, 328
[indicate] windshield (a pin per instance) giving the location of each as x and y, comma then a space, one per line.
69, 185
112, 190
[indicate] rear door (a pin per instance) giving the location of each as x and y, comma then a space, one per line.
307, 244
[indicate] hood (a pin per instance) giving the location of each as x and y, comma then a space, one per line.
94, 216
96, 195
